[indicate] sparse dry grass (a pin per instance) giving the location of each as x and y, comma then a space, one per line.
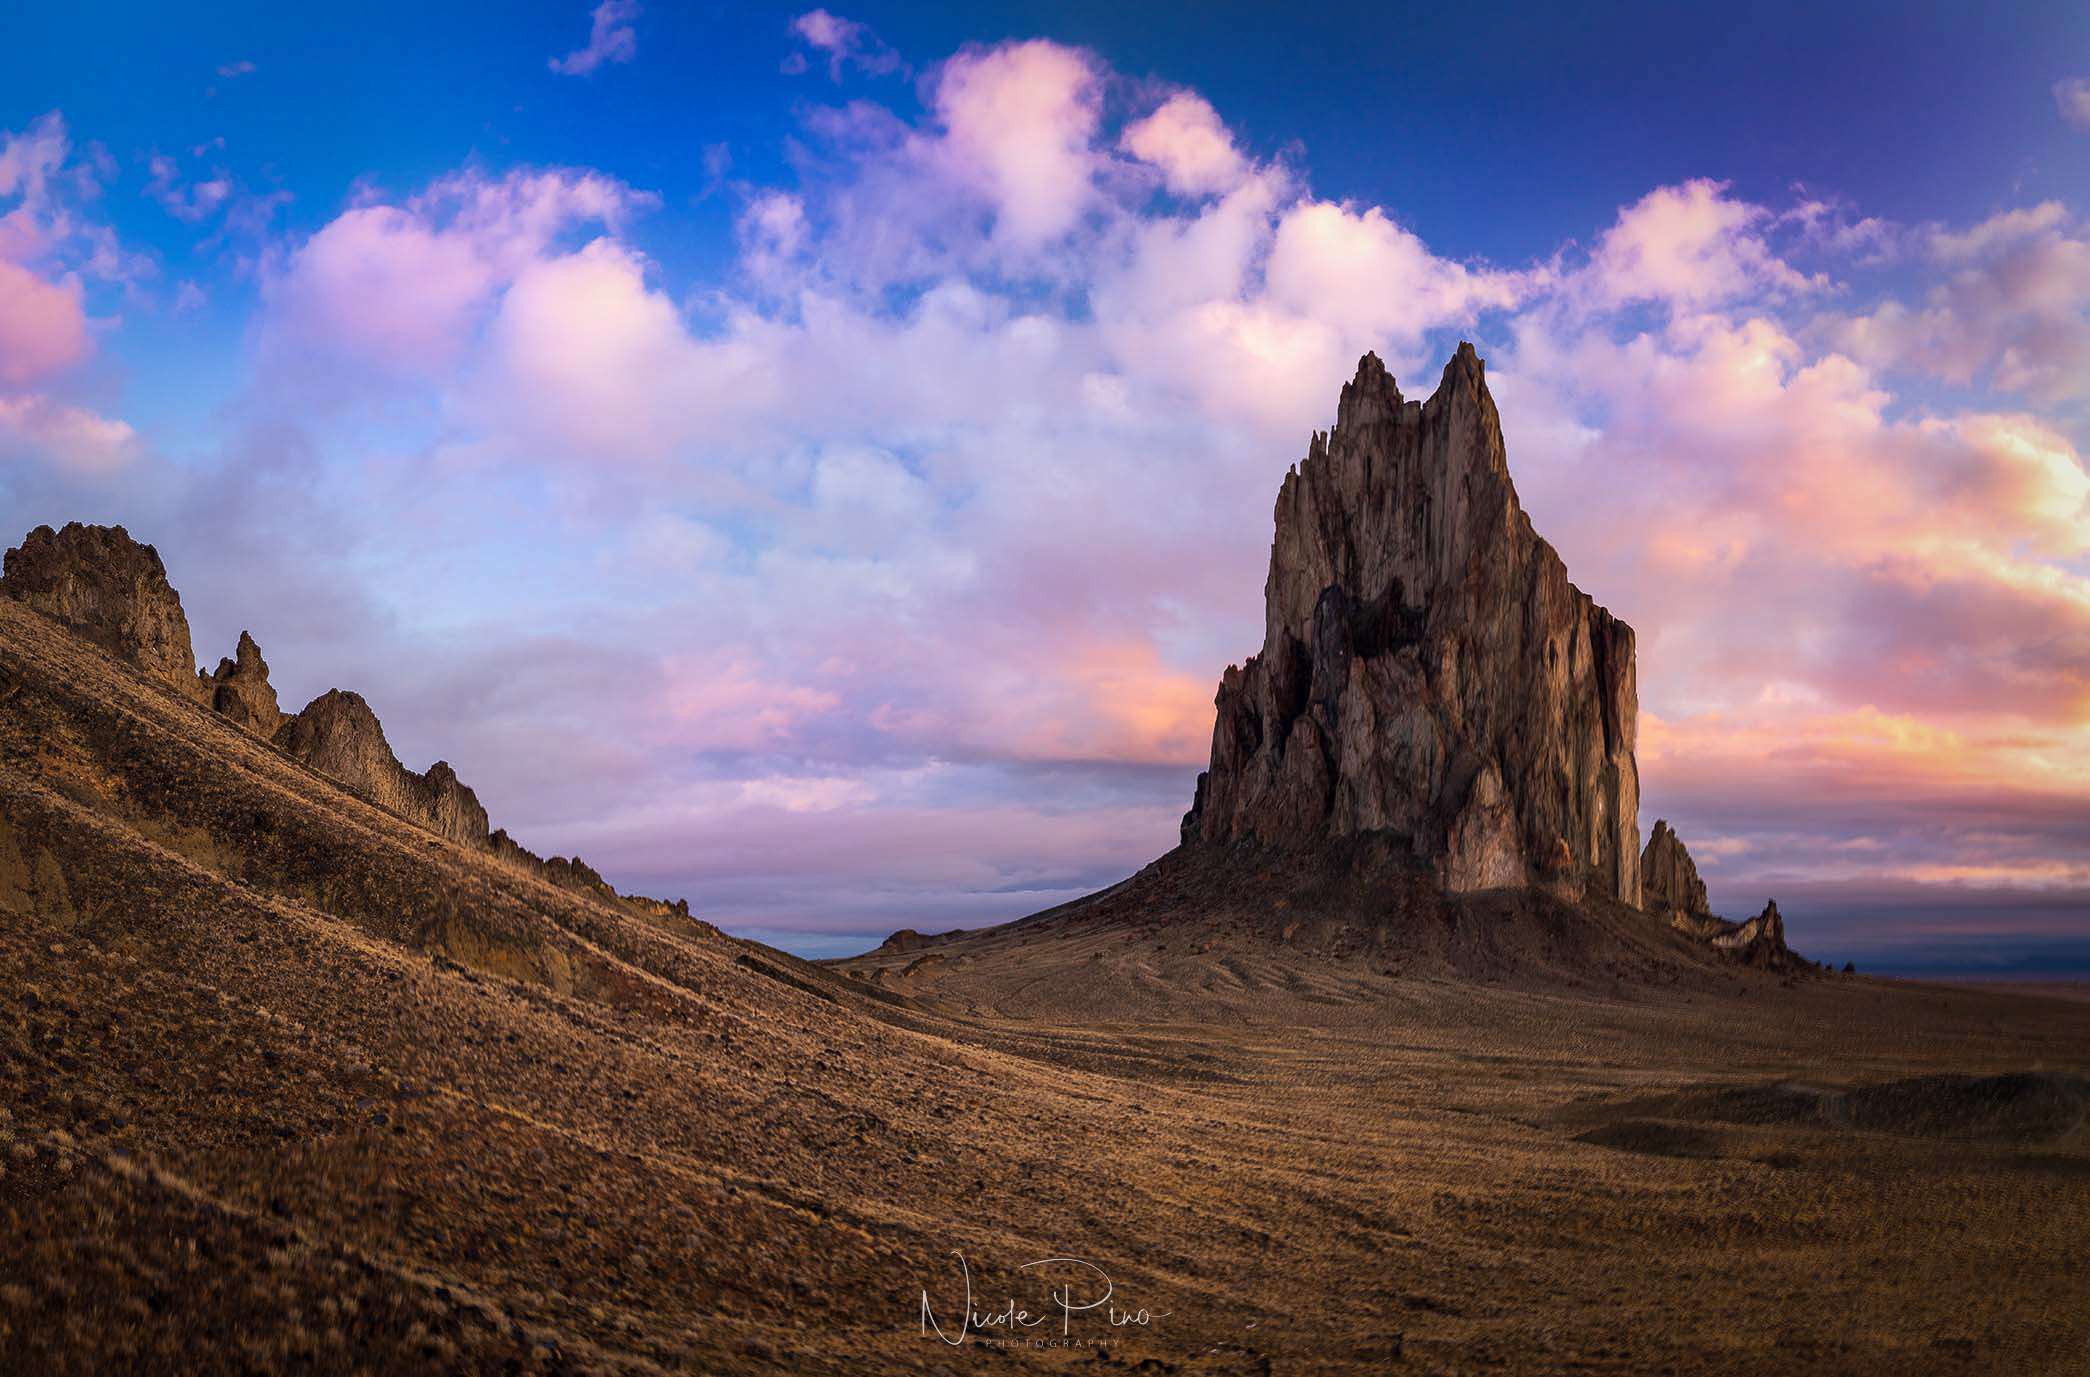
287, 1084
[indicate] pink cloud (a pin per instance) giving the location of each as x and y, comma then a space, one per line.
1690, 245
2014, 303
1187, 141
43, 325
1019, 123
403, 289
67, 437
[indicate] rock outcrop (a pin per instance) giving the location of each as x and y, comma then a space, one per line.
338, 735
1427, 670
240, 690
107, 588
1668, 878
1760, 941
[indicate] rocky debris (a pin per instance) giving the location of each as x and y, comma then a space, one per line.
107, 588
1668, 879
338, 735
1427, 670
240, 690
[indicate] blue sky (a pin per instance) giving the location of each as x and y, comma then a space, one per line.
819, 463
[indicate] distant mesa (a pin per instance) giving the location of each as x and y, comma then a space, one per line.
1427, 670
111, 590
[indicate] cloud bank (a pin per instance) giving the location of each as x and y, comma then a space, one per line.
887, 578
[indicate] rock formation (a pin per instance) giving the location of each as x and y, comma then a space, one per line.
1427, 670
1760, 941
1668, 879
338, 735
107, 588
100, 584
240, 690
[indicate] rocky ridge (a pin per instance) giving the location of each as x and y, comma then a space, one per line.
1427, 669
111, 590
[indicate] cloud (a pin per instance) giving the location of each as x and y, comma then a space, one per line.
2013, 303
1362, 273
193, 202
43, 325
1019, 122
846, 43
1186, 140
231, 70
888, 573
50, 223
611, 38
68, 437
1689, 246
400, 290
2072, 99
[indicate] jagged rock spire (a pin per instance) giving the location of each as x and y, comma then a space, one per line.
1668, 877
1427, 670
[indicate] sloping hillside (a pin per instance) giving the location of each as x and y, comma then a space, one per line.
291, 1083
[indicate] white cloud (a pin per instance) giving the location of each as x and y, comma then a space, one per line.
611, 38
2072, 99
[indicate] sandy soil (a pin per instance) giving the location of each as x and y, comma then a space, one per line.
287, 1084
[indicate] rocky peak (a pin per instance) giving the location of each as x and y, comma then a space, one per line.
1668, 879
1761, 942
107, 588
338, 735
1427, 670
240, 690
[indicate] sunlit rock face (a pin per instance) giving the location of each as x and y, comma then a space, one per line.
107, 588
338, 735
1427, 670
1669, 880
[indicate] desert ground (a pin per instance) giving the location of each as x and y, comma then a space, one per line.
288, 1084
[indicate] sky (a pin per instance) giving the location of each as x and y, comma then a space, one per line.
818, 464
